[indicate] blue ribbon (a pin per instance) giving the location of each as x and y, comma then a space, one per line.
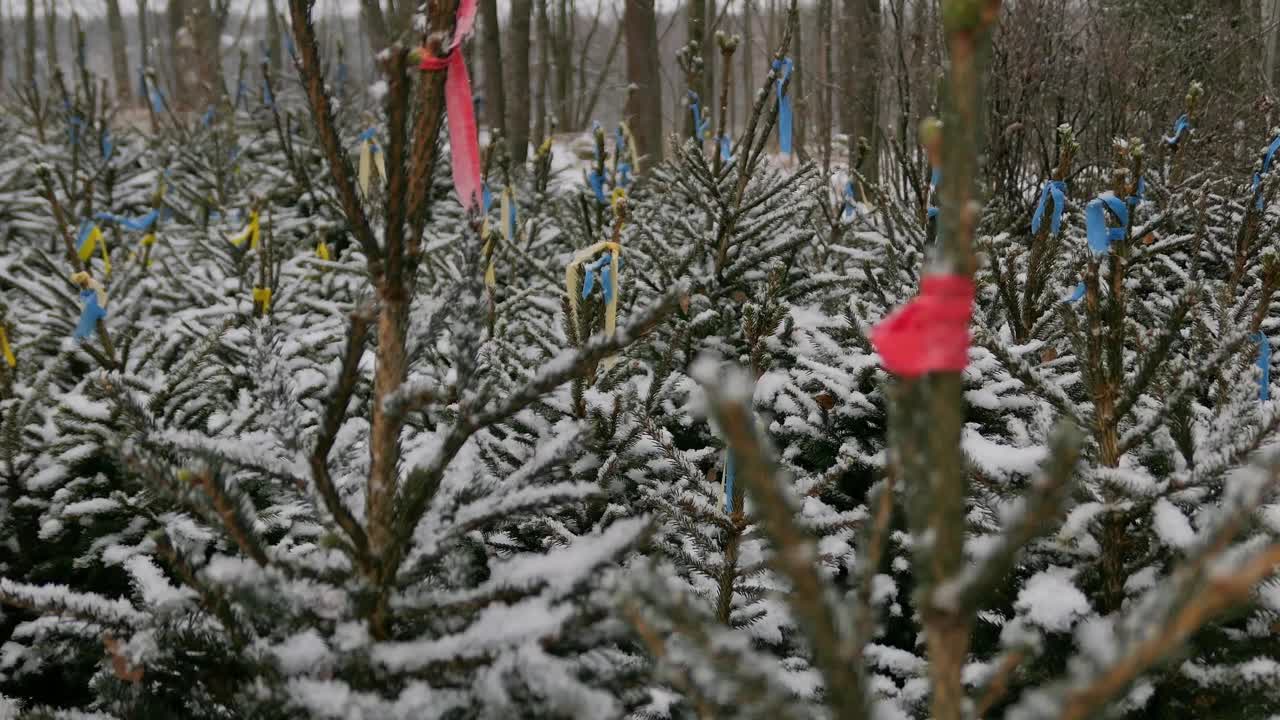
288, 45
1100, 235
267, 98
1266, 168
486, 198
342, 73
157, 100
850, 208
596, 181
726, 149
784, 105
624, 167
1077, 294
76, 123
90, 315
207, 119
1264, 364
700, 126
1180, 128
603, 267
241, 91
935, 181
141, 224
730, 474
108, 145
1057, 189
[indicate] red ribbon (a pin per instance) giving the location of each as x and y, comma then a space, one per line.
464, 141
930, 333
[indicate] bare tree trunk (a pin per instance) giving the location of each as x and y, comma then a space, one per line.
748, 55
708, 53
206, 27
119, 51
51, 34
848, 81
495, 99
644, 99
181, 54
544, 73
144, 40
273, 39
518, 121
29, 56
867, 84
695, 32
1271, 20
371, 14
564, 65
824, 82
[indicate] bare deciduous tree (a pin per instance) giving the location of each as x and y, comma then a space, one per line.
518, 119
119, 50
644, 93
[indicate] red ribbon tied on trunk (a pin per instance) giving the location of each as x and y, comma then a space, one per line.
930, 333
464, 142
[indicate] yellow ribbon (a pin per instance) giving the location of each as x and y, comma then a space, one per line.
573, 276
631, 147
6, 349
368, 161
545, 147
106, 259
98, 242
322, 251
90, 244
490, 276
252, 232
148, 239
262, 296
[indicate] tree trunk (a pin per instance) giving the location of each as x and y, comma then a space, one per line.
518, 121
848, 80
273, 39
1271, 20
564, 65
709, 53
696, 32
644, 98
866, 77
748, 56
144, 41
824, 83
119, 51
371, 15
29, 58
495, 99
207, 29
51, 34
544, 73
181, 54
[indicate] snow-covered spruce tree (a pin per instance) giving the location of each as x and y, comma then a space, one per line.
318, 538
951, 585
1154, 364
